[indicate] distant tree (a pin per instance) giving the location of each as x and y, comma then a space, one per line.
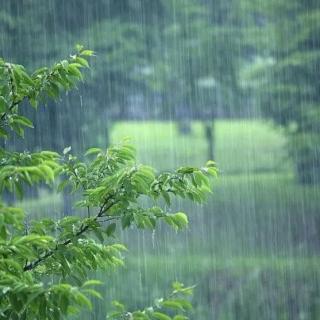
289, 78
45, 262
181, 56
196, 61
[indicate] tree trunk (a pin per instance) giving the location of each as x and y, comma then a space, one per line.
210, 138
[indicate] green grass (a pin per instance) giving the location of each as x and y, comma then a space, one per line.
241, 145
252, 280
256, 206
259, 224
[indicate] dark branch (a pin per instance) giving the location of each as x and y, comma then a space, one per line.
13, 92
82, 229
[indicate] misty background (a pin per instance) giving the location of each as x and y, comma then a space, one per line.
236, 81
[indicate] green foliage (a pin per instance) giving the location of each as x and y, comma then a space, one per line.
16, 85
290, 90
191, 45
173, 307
280, 286
202, 42
45, 262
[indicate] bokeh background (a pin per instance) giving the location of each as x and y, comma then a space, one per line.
236, 81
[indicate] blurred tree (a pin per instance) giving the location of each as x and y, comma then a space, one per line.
289, 78
181, 58
196, 61
122, 33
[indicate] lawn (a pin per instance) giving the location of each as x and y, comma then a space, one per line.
241, 146
256, 206
252, 245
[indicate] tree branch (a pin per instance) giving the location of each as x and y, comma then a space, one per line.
82, 229
12, 89
46, 79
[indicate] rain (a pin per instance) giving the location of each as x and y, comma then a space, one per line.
187, 81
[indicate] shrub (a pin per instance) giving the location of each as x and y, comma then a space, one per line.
45, 264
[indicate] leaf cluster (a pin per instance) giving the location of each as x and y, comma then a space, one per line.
173, 307
17, 85
44, 264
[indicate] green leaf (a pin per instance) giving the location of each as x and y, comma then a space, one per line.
23, 121
92, 283
210, 163
48, 172
119, 247
74, 71
62, 185
201, 179
82, 61
119, 306
180, 220
93, 151
87, 52
166, 197
180, 317
65, 64
186, 170
126, 220
98, 234
3, 232
111, 229
172, 304
160, 316
93, 293
3, 133
82, 300
212, 171
17, 129
53, 90
3, 104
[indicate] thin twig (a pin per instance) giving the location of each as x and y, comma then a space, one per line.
82, 229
